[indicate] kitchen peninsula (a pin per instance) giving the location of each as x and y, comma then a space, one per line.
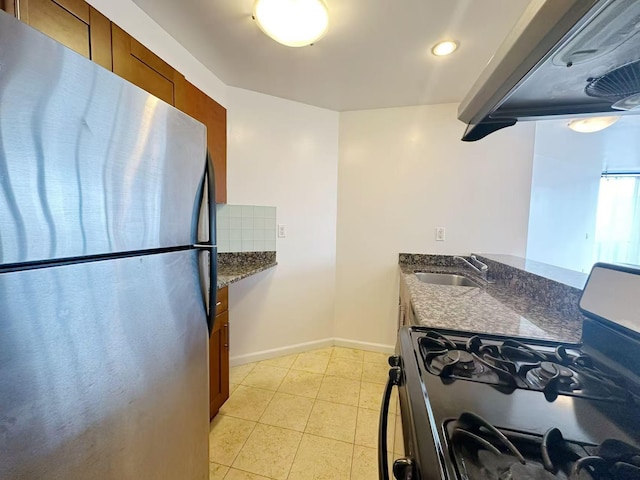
513, 302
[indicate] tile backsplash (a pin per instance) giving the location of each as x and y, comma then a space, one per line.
246, 228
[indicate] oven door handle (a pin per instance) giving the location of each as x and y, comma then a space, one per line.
394, 379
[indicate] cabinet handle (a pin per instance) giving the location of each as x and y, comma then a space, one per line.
226, 335
218, 304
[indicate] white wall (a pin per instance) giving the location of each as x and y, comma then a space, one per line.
566, 180
285, 154
128, 16
404, 171
564, 196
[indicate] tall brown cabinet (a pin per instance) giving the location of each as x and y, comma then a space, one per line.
214, 116
79, 26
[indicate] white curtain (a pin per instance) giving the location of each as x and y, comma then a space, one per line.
618, 220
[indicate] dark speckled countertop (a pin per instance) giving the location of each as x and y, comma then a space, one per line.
495, 308
233, 267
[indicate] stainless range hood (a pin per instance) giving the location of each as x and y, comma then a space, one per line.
563, 58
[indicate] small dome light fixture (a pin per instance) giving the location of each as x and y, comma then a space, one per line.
591, 124
447, 47
294, 23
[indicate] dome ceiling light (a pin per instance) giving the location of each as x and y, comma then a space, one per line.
591, 124
441, 49
294, 23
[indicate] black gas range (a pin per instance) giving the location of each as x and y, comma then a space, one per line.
478, 406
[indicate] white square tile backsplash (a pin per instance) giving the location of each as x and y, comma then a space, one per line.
246, 228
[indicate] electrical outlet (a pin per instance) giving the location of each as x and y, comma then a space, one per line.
282, 230
440, 231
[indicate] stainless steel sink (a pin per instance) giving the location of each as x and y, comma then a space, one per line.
445, 279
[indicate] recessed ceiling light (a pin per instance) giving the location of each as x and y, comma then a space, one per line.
591, 124
294, 23
444, 48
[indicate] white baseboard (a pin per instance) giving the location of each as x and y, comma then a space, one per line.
279, 352
305, 347
372, 347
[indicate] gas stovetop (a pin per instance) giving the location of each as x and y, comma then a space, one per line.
552, 368
536, 392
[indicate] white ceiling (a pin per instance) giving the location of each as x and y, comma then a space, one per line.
376, 53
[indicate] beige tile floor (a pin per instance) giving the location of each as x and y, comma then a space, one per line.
312, 415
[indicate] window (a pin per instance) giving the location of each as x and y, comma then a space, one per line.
617, 237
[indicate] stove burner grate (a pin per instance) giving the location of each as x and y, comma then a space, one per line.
511, 364
482, 451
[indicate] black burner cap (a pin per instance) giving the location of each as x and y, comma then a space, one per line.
459, 356
551, 369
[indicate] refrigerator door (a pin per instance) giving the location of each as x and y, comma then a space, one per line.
89, 163
104, 370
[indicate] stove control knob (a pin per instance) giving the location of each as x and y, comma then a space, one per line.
394, 361
403, 469
395, 375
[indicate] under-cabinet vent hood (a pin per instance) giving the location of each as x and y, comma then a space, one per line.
563, 58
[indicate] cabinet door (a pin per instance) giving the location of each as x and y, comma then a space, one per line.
205, 109
219, 363
74, 23
136, 63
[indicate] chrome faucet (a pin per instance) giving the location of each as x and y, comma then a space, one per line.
483, 266
482, 271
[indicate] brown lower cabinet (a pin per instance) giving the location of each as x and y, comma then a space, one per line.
219, 355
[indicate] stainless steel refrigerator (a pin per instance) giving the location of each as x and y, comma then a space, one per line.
103, 295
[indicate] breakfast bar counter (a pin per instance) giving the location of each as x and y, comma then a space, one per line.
502, 306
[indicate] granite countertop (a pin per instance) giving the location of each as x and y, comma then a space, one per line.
563, 275
493, 308
233, 267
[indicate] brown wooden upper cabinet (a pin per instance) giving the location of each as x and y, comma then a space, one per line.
74, 23
77, 25
136, 63
214, 116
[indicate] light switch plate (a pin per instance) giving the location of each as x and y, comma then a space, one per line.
282, 230
440, 231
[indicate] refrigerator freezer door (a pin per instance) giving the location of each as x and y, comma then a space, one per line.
104, 370
89, 163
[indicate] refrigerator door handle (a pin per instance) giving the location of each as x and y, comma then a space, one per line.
211, 244
213, 291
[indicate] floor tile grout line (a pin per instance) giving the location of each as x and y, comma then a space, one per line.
353, 451
304, 431
295, 455
245, 471
255, 424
